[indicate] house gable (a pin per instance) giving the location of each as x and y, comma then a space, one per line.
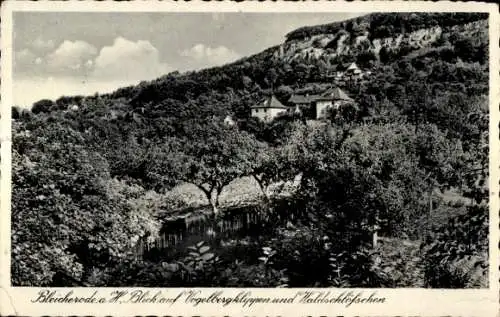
332, 98
269, 109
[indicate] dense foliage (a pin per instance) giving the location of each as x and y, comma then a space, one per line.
457, 257
380, 25
92, 174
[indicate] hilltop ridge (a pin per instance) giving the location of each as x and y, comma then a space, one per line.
344, 43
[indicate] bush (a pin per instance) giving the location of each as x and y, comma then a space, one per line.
44, 105
16, 113
456, 255
366, 59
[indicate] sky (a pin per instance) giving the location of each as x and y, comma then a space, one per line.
70, 53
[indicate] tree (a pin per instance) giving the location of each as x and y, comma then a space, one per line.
469, 50
390, 171
417, 101
344, 115
67, 222
210, 158
271, 166
456, 255
475, 175
271, 78
284, 93
302, 72
386, 55
16, 112
44, 105
337, 194
366, 59
403, 175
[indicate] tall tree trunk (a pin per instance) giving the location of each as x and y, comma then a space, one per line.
266, 194
215, 209
212, 196
263, 188
214, 202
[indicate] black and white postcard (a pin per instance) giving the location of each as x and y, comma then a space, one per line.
253, 159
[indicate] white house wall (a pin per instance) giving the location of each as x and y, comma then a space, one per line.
321, 108
266, 114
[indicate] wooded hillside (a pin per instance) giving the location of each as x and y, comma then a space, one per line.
91, 173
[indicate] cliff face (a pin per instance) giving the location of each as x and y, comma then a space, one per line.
344, 43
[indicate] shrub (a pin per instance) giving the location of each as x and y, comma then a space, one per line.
44, 105
456, 255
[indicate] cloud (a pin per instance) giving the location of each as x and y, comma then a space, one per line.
210, 56
77, 67
129, 61
70, 55
24, 57
25, 61
41, 45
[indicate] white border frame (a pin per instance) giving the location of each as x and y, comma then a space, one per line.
422, 302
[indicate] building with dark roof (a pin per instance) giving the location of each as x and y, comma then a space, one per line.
268, 109
317, 105
304, 104
302, 99
343, 73
332, 98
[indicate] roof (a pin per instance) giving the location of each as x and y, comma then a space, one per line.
335, 94
270, 102
352, 66
347, 67
301, 99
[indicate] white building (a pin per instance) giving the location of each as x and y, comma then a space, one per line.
332, 99
228, 121
268, 109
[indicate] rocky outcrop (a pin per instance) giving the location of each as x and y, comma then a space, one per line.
330, 45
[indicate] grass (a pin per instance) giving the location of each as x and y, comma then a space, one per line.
452, 196
240, 190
